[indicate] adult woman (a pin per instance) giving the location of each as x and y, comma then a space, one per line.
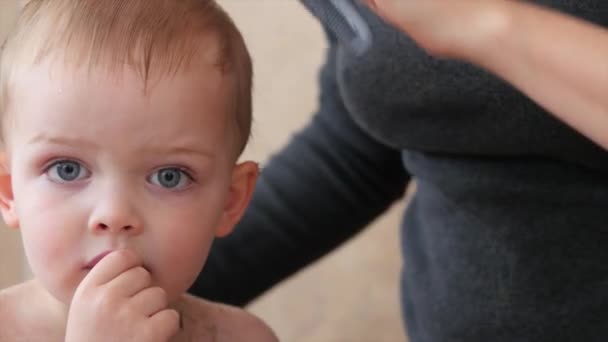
504, 238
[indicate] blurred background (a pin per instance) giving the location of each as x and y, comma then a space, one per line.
351, 295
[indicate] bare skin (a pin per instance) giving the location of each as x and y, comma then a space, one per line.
103, 312
23, 319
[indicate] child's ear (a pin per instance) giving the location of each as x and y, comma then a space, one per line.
244, 177
7, 203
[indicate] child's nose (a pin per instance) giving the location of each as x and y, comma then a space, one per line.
115, 222
114, 215
101, 226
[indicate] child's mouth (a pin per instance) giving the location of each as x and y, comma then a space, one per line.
93, 262
96, 260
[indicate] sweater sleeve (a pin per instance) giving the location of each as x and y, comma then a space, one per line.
327, 184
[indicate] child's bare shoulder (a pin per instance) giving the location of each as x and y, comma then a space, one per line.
226, 323
24, 315
12, 311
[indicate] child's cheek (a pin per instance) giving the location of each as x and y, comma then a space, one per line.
51, 236
47, 236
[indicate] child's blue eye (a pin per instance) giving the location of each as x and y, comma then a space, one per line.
170, 178
66, 171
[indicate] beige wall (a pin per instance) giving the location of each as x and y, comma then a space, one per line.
10, 246
350, 296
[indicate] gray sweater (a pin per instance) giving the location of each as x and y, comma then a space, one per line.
506, 238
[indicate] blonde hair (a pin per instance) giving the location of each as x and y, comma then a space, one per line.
155, 37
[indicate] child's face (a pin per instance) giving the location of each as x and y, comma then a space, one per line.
97, 165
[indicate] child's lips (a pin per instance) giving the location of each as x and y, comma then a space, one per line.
89, 265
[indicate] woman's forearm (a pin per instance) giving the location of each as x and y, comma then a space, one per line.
558, 61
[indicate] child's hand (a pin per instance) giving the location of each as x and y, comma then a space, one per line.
115, 302
446, 28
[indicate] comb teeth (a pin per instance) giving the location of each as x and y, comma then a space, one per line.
342, 18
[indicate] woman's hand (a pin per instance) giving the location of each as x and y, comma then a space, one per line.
446, 28
558, 60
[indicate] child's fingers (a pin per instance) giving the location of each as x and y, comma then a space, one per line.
150, 301
110, 267
130, 282
163, 325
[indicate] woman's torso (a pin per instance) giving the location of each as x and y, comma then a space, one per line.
507, 236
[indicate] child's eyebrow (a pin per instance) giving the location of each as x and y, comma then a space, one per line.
167, 149
174, 150
61, 140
